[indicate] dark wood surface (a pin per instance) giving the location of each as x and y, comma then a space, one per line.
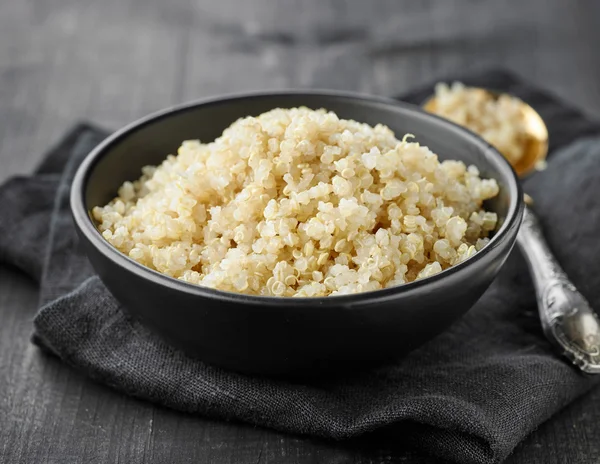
112, 61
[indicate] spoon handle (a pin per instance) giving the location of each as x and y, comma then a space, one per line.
568, 321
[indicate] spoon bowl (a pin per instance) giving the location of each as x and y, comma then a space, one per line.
536, 148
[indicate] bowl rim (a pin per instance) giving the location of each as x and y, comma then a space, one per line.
84, 222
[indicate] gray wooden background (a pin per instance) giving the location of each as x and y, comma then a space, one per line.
112, 61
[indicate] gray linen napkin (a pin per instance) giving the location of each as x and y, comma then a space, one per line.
470, 395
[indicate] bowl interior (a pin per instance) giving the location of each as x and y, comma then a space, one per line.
149, 142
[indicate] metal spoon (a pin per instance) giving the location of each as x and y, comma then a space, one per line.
568, 321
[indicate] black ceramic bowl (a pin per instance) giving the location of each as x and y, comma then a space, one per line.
290, 336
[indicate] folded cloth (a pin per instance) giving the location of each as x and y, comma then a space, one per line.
470, 395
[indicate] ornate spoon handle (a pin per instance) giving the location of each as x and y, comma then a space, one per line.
567, 318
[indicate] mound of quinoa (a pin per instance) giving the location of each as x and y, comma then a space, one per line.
300, 203
500, 121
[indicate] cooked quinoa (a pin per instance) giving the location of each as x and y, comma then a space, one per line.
500, 121
301, 203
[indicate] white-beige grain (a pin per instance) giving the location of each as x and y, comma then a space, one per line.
297, 202
500, 121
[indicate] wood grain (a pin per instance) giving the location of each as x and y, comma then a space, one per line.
113, 61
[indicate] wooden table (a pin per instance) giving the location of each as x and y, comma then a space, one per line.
112, 61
